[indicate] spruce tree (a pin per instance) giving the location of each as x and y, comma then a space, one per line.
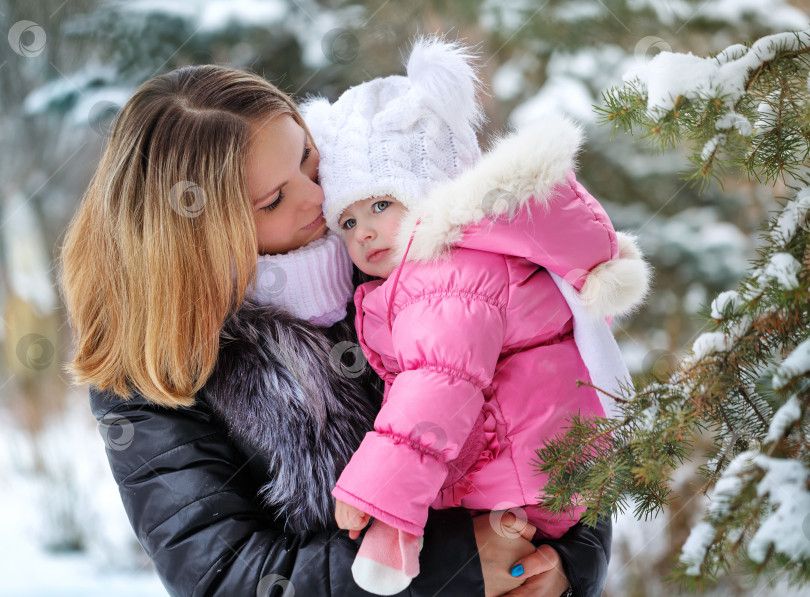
745, 384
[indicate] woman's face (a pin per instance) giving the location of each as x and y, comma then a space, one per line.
282, 179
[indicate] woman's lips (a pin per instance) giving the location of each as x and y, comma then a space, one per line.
317, 221
376, 256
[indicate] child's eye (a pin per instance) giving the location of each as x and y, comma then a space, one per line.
275, 203
349, 223
384, 205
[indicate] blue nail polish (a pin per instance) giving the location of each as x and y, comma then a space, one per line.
517, 570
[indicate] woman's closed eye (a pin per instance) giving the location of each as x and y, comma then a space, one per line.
275, 204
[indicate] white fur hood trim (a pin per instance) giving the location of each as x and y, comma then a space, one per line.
524, 165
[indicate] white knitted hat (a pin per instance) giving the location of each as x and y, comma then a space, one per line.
398, 135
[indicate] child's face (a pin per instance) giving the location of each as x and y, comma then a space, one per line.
370, 227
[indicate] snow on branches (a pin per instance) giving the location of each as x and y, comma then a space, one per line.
744, 107
744, 385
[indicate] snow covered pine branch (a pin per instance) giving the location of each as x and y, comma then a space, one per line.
746, 107
744, 386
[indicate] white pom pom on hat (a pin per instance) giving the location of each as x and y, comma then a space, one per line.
399, 135
444, 70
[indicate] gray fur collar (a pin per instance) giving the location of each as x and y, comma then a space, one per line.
277, 387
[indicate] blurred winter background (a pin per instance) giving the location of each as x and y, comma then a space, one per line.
69, 65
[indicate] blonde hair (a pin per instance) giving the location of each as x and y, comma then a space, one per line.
163, 245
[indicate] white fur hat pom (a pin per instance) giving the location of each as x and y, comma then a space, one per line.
446, 74
316, 111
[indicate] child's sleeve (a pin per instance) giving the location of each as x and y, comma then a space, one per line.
432, 406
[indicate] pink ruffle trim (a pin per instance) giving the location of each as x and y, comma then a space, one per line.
451, 495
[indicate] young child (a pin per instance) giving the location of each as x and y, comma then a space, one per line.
468, 323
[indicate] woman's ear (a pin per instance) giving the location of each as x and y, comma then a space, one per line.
446, 75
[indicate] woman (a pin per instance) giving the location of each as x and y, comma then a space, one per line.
228, 418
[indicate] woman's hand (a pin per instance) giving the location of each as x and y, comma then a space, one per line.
546, 576
350, 518
503, 543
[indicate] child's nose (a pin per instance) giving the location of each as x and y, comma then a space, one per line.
366, 232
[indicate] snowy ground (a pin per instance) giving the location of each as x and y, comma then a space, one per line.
74, 503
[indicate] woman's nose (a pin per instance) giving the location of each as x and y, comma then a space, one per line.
313, 193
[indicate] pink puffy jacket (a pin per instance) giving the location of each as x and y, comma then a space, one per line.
474, 339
